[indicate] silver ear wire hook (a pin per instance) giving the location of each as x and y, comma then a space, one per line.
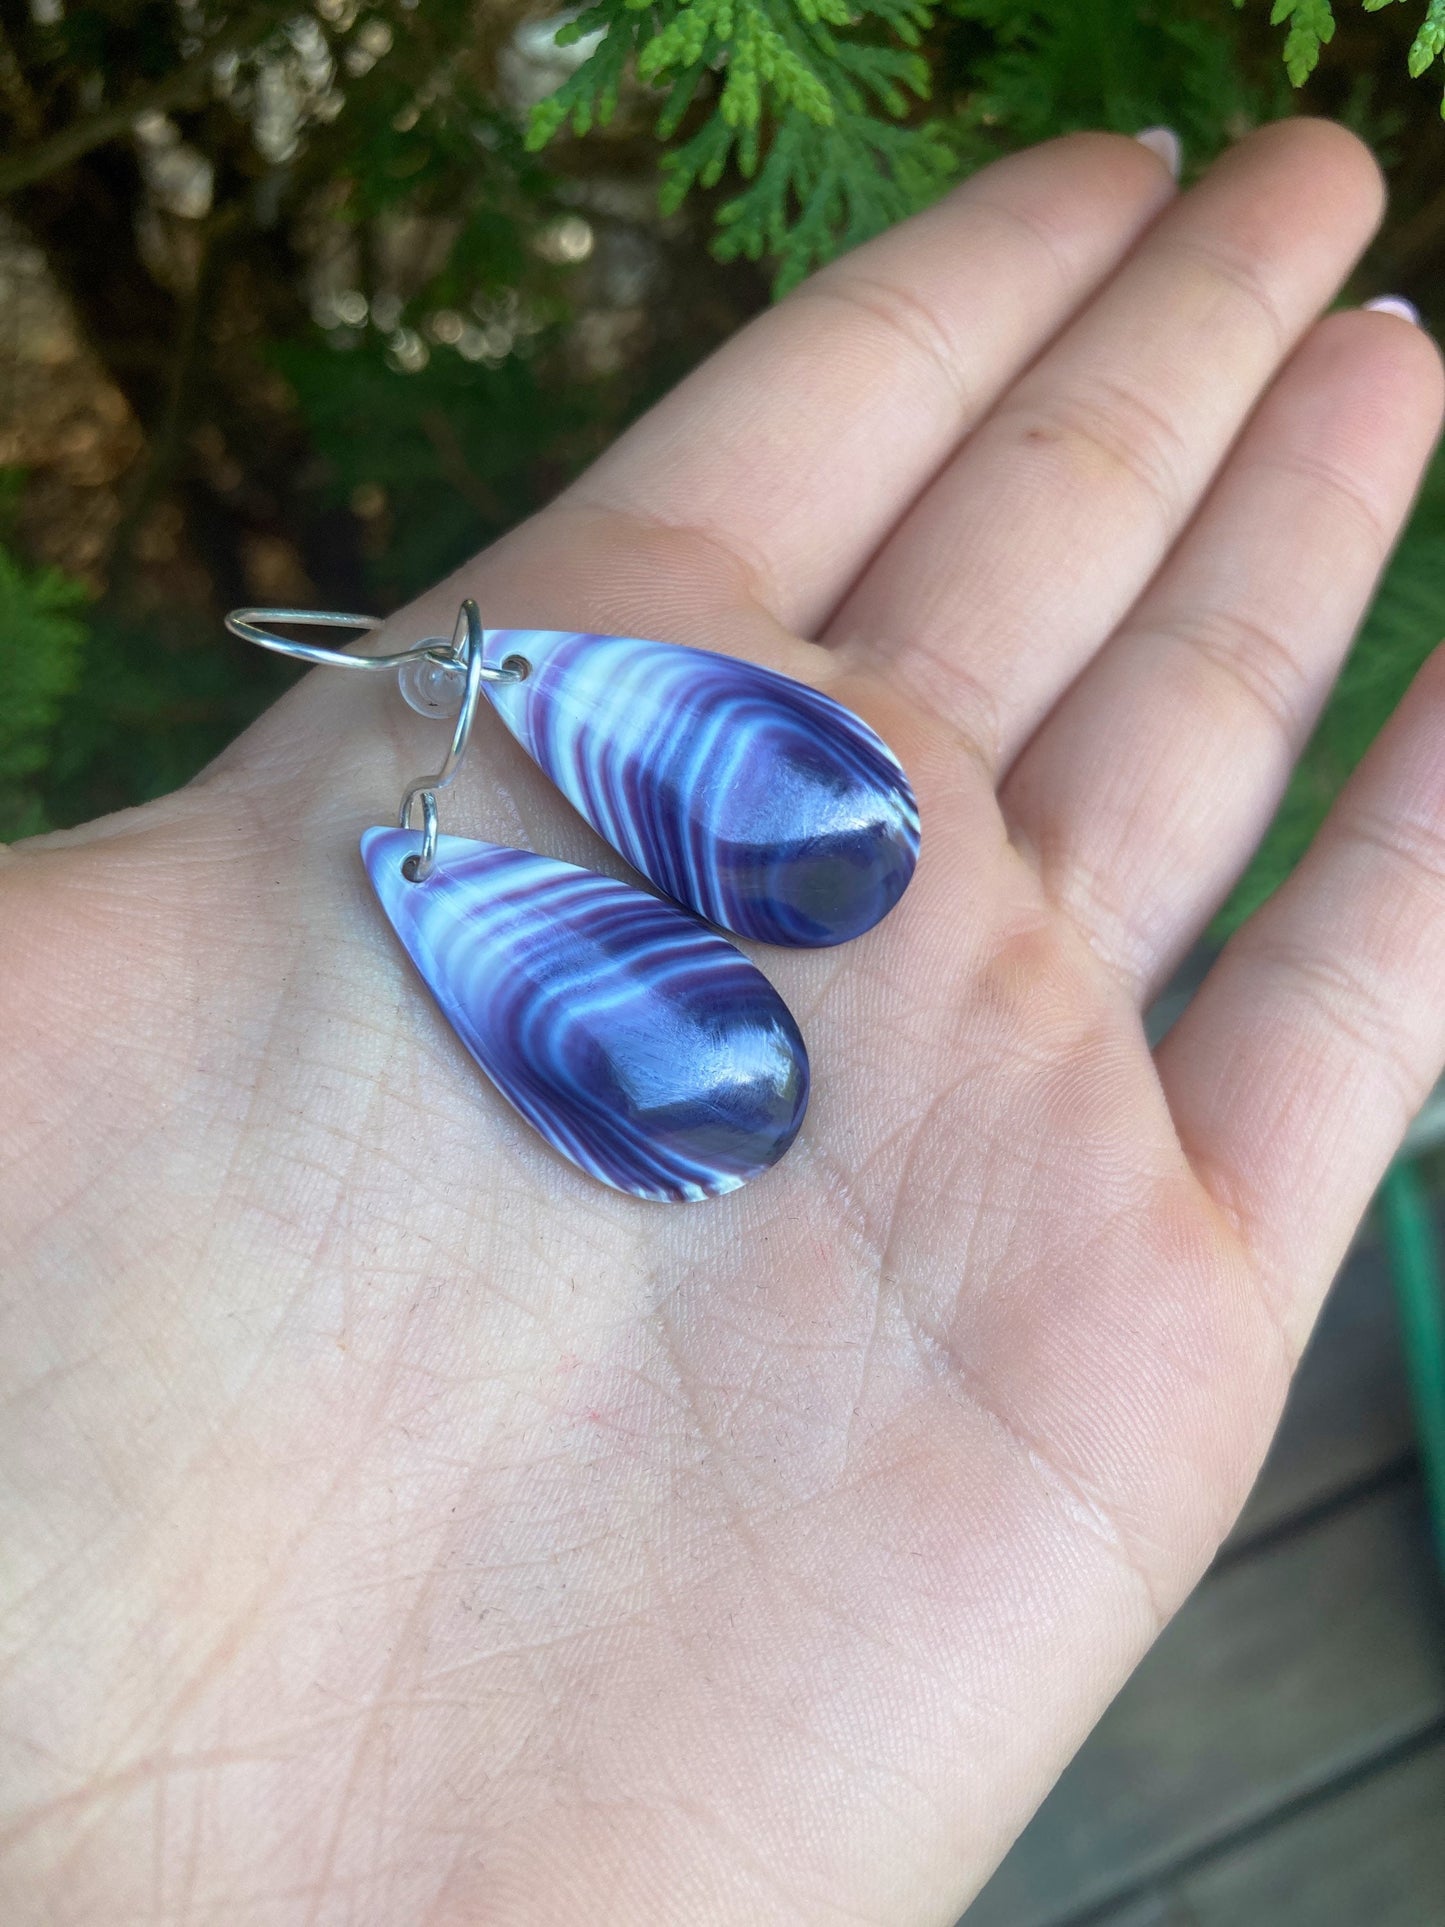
461, 658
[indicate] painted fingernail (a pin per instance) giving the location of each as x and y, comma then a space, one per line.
1395, 304
1164, 142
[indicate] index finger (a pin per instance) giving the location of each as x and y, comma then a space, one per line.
798, 445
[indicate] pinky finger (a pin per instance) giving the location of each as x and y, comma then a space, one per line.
1295, 1072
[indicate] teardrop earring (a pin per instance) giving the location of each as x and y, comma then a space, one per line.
640, 1044
761, 804
764, 806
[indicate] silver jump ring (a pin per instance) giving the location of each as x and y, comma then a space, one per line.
417, 868
461, 656
468, 641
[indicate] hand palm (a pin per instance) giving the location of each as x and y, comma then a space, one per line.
449, 1539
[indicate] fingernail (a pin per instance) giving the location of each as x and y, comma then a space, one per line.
1164, 142
1395, 304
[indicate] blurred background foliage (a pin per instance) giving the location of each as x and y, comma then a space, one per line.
303, 303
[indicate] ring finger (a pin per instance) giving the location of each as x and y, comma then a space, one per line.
1146, 789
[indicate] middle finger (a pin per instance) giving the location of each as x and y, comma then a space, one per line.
1026, 551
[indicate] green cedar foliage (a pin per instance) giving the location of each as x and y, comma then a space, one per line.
1311, 25
799, 126
1037, 68
806, 100
807, 111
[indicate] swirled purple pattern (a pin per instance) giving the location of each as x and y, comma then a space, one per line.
760, 804
641, 1044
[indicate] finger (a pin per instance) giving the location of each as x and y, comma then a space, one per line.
1145, 791
796, 447
1033, 543
1315, 1038
740, 507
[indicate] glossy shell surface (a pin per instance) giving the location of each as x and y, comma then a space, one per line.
762, 805
640, 1044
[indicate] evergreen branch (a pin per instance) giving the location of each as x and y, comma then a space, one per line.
1429, 42
1312, 26
808, 105
812, 199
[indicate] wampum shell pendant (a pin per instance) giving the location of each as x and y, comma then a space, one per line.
639, 1043
762, 805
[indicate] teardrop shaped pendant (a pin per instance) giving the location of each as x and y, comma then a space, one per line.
764, 806
640, 1044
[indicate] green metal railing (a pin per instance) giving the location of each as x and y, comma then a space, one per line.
1414, 1253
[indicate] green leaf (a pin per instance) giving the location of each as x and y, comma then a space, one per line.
1311, 26
42, 640
805, 107
1429, 42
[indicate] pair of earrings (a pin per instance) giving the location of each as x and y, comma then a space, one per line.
634, 1037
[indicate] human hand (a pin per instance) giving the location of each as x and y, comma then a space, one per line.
402, 1529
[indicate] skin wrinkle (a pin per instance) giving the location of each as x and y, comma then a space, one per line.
777, 1717
713, 1444
865, 1366
1051, 241
1097, 431
1132, 1208
752, 1401
372, 1725
1228, 1194
754, 591
905, 316
1129, 929
821, 1602
244, 1397
973, 717
1109, 923
1344, 394
942, 1351
1343, 492
1242, 274
963, 997
803, 1911
1347, 1001
1254, 659
1417, 845
231, 1640
472, 1528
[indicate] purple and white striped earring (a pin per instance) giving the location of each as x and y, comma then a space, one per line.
640, 1043
767, 808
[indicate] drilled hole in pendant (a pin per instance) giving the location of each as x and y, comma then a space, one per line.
410, 867
518, 666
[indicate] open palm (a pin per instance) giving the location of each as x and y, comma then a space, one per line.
401, 1528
